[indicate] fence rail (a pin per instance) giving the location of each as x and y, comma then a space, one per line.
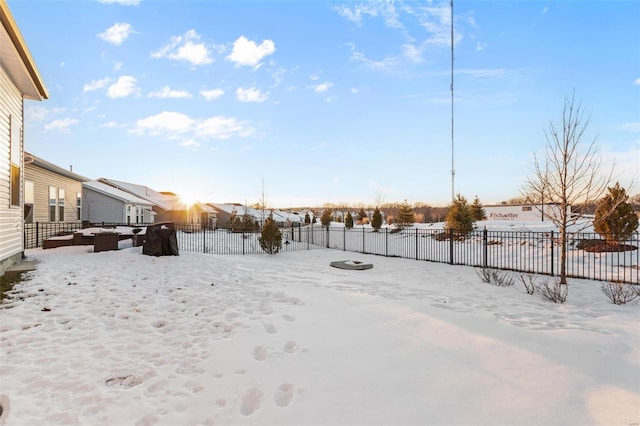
528, 252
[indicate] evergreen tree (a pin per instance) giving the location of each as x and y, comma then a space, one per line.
459, 217
233, 219
326, 217
271, 237
246, 223
376, 220
477, 212
314, 220
348, 221
615, 219
362, 215
405, 216
307, 218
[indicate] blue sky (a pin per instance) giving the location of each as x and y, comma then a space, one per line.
327, 101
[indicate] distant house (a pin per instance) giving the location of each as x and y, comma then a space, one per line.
19, 80
227, 211
104, 203
51, 193
166, 206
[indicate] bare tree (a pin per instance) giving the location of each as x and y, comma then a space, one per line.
568, 173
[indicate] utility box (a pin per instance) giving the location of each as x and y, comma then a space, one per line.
160, 240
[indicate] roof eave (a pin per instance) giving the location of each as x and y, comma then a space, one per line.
19, 44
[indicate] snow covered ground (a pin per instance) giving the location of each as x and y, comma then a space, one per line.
120, 338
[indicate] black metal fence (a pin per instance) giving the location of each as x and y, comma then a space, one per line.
588, 254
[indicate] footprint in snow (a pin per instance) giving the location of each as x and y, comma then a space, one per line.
284, 394
251, 401
260, 353
270, 328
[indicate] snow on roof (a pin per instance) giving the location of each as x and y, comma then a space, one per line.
166, 202
116, 193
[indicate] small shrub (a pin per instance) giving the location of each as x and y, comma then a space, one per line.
271, 237
495, 277
528, 282
619, 293
553, 291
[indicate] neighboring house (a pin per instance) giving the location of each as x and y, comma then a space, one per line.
51, 193
104, 203
19, 80
227, 211
167, 206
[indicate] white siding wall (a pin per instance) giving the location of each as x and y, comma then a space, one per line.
42, 179
11, 105
97, 207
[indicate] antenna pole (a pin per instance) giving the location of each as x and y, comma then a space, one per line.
453, 170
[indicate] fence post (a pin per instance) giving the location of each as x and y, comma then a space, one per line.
386, 242
344, 239
450, 246
37, 234
416, 243
363, 243
204, 240
327, 236
552, 250
485, 243
243, 241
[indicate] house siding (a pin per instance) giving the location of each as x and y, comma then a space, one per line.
98, 207
11, 107
42, 179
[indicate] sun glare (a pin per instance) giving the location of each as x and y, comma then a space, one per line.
189, 198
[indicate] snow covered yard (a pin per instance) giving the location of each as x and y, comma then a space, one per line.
119, 338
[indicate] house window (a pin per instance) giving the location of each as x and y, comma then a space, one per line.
16, 161
139, 215
53, 199
28, 201
78, 205
15, 185
526, 208
61, 204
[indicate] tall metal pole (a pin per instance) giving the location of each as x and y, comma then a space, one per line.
453, 170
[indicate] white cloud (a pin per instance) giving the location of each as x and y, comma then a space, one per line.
117, 66
322, 87
35, 113
125, 86
248, 53
172, 123
223, 128
96, 84
167, 92
117, 33
250, 95
61, 125
412, 53
545, 10
212, 94
355, 90
637, 82
187, 48
632, 127
121, 2
110, 124
176, 125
